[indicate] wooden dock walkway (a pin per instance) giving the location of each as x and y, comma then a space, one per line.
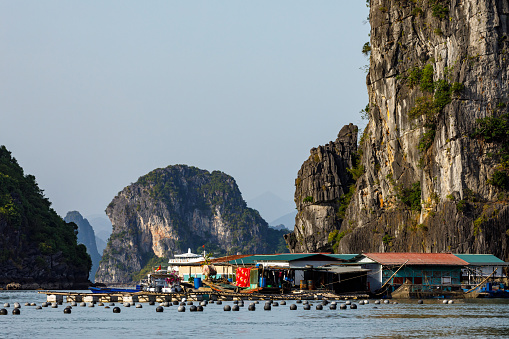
60, 296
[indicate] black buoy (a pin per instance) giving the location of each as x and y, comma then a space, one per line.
100, 304
7, 305
283, 302
293, 307
342, 306
332, 306
189, 303
235, 302
16, 311
324, 302
182, 309
151, 303
175, 302
235, 308
139, 306
251, 307
3, 311
116, 309
377, 302
159, 309
319, 307
27, 304
199, 308
89, 305
67, 310
38, 307
275, 304
73, 303
257, 302
267, 307
353, 306
219, 302
192, 308
112, 304
348, 302
182, 304
167, 304
361, 302
54, 306
227, 308
106, 306
307, 307
298, 301
203, 303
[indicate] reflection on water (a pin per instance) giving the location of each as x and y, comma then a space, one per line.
463, 319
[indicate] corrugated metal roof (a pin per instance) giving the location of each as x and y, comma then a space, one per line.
342, 256
276, 257
446, 259
484, 259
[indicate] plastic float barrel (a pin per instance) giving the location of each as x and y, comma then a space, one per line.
311, 285
197, 283
303, 285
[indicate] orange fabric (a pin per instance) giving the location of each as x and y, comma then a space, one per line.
243, 275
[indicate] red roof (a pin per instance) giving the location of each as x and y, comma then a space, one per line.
446, 259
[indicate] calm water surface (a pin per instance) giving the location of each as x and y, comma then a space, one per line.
464, 319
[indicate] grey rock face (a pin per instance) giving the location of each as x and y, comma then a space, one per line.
321, 181
460, 211
431, 151
86, 236
175, 208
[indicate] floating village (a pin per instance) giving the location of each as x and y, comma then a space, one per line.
309, 276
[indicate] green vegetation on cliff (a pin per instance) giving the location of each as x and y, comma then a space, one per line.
26, 213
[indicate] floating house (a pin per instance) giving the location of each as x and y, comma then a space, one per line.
481, 266
426, 272
290, 270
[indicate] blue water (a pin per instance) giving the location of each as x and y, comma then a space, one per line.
407, 319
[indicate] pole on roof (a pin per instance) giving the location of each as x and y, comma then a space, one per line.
482, 282
393, 274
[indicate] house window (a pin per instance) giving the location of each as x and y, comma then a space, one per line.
398, 280
446, 280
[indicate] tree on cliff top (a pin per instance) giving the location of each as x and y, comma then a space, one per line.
26, 216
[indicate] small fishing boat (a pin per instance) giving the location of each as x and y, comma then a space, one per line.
115, 289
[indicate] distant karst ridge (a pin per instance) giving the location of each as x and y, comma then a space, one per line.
175, 208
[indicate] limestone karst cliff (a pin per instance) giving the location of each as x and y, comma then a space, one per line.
175, 208
37, 248
435, 150
321, 183
86, 236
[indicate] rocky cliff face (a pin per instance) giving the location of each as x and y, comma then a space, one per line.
321, 183
86, 236
170, 210
435, 150
37, 248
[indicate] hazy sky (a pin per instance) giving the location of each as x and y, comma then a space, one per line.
95, 94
